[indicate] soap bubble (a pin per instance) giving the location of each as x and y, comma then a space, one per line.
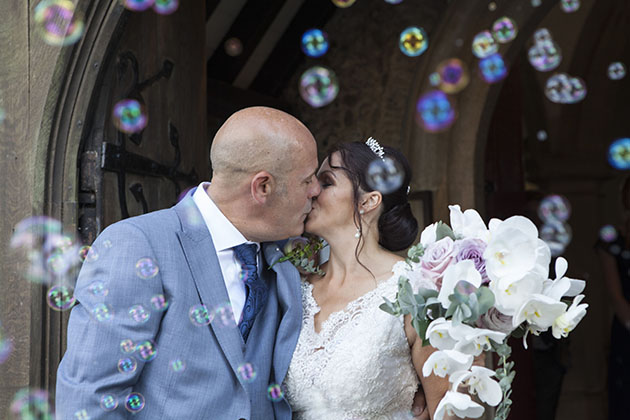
31, 404
177, 365
570, 6
102, 312
557, 235
138, 5
384, 175
146, 268
6, 346
453, 75
109, 402
619, 154
129, 116
159, 303
165, 7
484, 45
199, 315
554, 207
434, 111
127, 365
541, 135
60, 298
146, 350
318, 86
134, 402
315, 43
275, 393
343, 3
616, 71
246, 372
608, 233
504, 30
413, 41
139, 314
127, 346
493, 68
564, 89
233, 47
58, 23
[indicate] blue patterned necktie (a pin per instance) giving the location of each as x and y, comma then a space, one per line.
256, 289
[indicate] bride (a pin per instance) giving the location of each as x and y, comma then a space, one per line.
352, 360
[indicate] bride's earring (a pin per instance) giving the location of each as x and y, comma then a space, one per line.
358, 234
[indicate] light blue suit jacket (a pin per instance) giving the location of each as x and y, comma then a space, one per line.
210, 386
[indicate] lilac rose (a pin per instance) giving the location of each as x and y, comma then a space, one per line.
472, 249
437, 257
496, 321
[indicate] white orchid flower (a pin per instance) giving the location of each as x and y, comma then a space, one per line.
458, 404
562, 286
479, 381
539, 311
429, 235
531, 329
566, 322
468, 224
439, 334
445, 362
477, 340
509, 295
464, 270
514, 250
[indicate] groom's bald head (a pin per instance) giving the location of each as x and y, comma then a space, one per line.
258, 139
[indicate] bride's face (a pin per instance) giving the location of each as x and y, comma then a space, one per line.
333, 209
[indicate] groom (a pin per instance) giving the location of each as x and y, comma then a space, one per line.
180, 316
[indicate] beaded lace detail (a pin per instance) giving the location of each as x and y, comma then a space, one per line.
359, 365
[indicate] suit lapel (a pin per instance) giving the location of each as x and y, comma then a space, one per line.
206, 272
290, 301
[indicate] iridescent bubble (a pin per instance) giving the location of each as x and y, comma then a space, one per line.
570, 6
134, 402
315, 43
453, 75
200, 316
564, 89
165, 7
504, 30
139, 314
484, 45
434, 79
81, 415
58, 23
275, 393
608, 233
233, 47
159, 303
614, 249
97, 288
3, 116
146, 268
51, 254
102, 312
434, 111
127, 346
129, 116
413, 41
393, 1
619, 154
109, 402
554, 207
6, 346
177, 365
492, 6
107, 244
87, 253
318, 86
138, 5
557, 235
343, 3
224, 316
545, 56
60, 298
536, 3
541, 135
31, 404
616, 71
127, 365
146, 350
384, 175
246, 372
493, 68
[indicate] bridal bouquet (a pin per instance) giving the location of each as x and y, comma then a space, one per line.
491, 283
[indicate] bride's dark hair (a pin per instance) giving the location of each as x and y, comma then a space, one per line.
397, 227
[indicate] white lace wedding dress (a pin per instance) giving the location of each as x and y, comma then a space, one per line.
359, 365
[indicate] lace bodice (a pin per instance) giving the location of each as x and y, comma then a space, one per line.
359, 365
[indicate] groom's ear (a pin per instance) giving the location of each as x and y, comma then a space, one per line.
262, 185
371, 201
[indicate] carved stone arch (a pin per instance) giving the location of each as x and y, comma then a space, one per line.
452, 162
69, 104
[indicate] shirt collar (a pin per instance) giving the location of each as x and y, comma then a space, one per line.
224, 234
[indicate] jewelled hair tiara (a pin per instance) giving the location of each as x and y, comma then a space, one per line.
376, 148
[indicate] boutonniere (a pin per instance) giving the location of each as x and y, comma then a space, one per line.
303, 253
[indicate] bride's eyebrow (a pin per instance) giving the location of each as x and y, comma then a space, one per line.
328, 171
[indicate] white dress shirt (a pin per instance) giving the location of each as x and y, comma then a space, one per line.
225, 237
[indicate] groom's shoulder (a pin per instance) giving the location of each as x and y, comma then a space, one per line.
151, 224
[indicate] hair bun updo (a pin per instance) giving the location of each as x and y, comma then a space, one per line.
397, 227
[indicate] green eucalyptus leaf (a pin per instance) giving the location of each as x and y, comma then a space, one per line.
421, 328
443, 230
389, 308
486, 299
